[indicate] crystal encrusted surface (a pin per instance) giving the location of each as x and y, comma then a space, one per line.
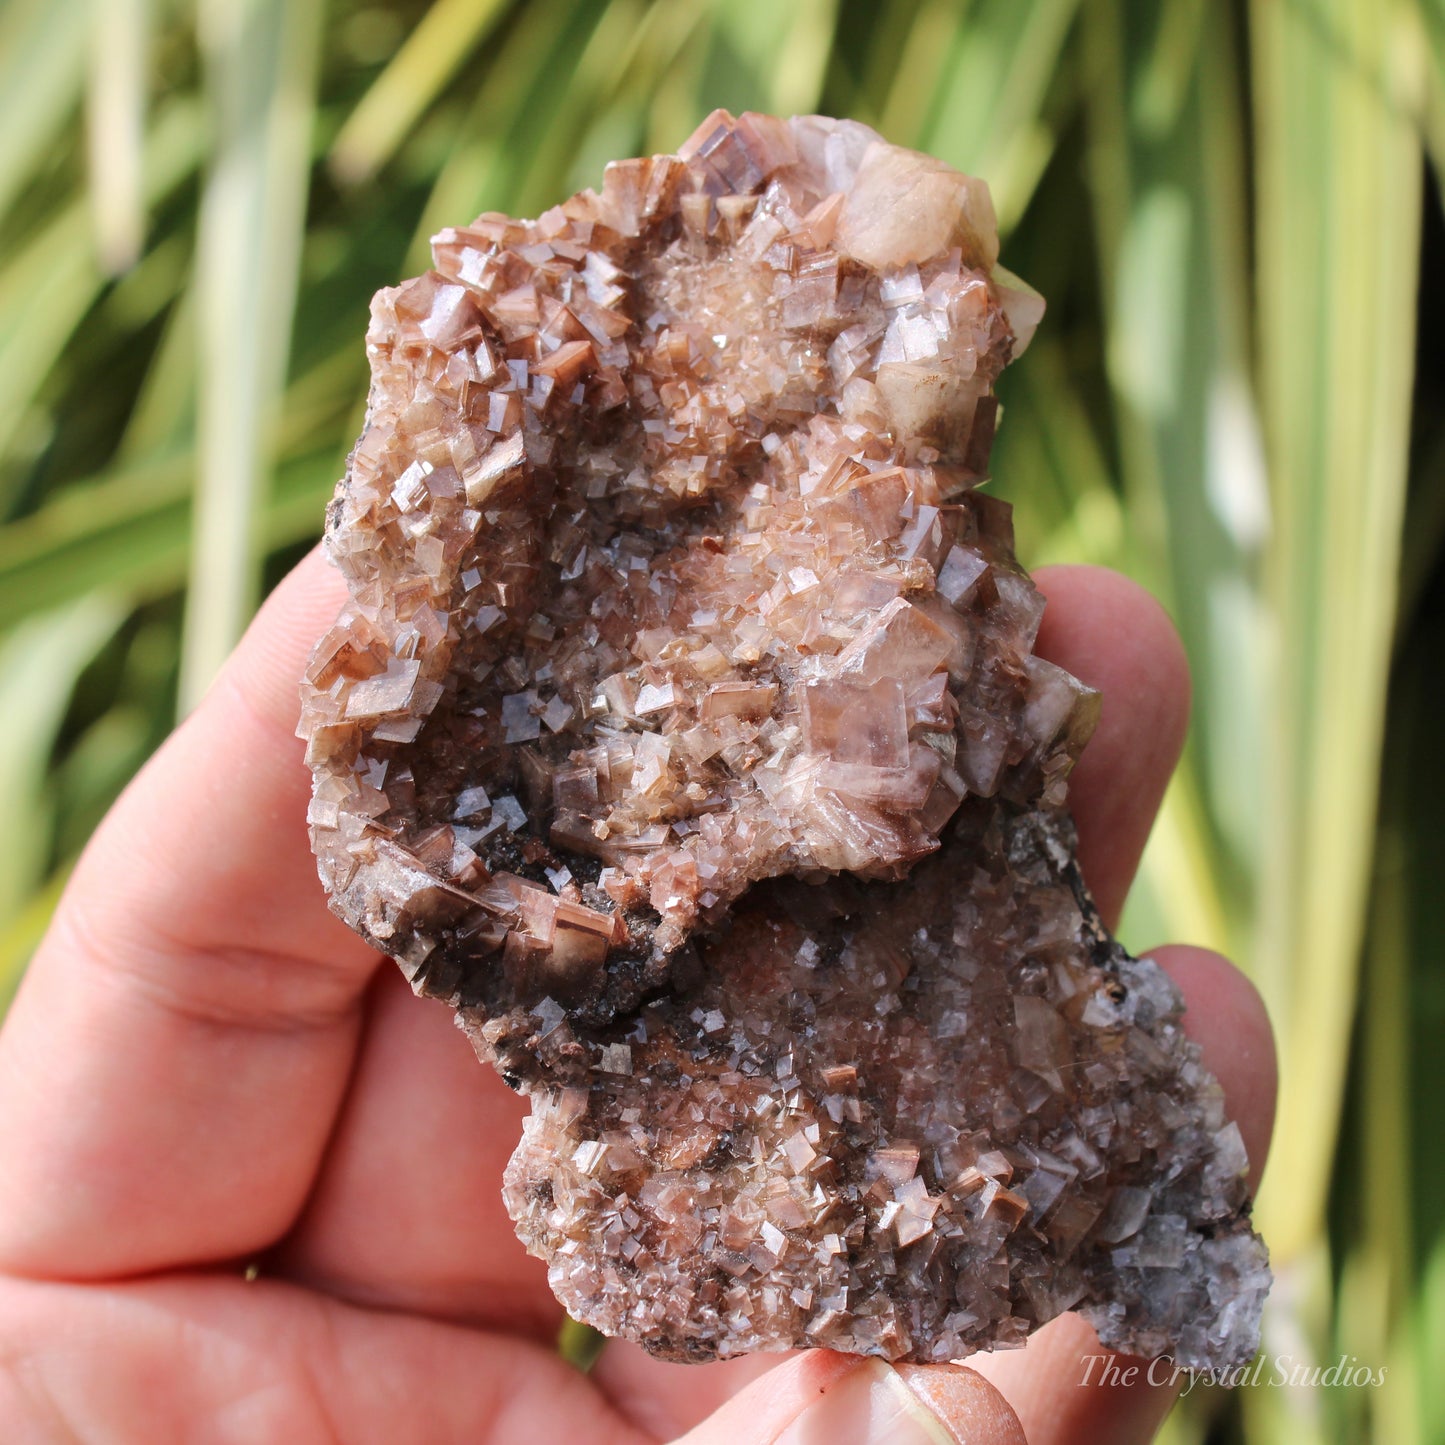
684, 733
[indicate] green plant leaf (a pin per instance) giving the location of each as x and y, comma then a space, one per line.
115, 128
431, 55
1337, 83
47, 288
39, 663
42, 64
989, 115
261, 64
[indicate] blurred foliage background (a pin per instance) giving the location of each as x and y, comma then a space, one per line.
1234, 211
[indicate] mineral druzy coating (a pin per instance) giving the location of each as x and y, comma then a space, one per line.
683, 732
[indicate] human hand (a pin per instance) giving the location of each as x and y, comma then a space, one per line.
250, 1188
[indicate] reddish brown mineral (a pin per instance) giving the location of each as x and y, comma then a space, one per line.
684, 733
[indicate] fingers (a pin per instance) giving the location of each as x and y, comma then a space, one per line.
665, 1399
179, 1358
198, 1358
407, 1211
844, 1400
1112, 635
1063, 1385
171, 1068
1068, 1390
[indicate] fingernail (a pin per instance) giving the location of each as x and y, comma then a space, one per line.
868, 1406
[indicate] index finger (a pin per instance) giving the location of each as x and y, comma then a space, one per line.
173, 1063
1112, 634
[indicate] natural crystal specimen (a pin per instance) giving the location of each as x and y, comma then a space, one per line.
684, 733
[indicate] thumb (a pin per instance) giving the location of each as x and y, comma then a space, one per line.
821, 1398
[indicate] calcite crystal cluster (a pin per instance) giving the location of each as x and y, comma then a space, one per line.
684, 733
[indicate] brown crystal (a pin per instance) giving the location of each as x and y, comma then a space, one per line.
683, 732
